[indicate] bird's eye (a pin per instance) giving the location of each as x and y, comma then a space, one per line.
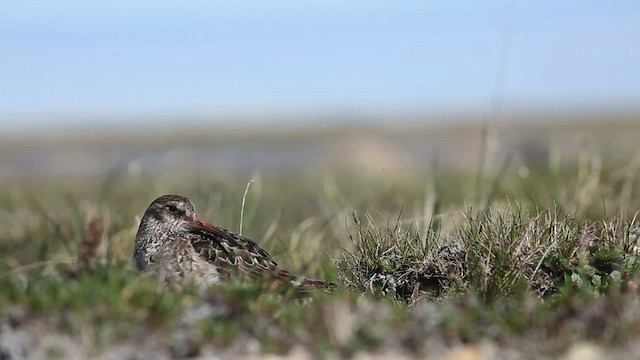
172, 209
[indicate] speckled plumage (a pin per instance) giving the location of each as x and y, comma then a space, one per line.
173, 243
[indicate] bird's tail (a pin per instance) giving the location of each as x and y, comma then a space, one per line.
316, 284
300, 285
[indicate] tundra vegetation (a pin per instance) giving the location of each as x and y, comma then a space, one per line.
528, 248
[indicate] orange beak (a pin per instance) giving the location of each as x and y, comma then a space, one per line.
202, 224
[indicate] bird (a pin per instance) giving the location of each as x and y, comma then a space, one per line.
178, 246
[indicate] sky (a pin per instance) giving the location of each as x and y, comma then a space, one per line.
67, 63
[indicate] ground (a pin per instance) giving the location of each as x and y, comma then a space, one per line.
458, 242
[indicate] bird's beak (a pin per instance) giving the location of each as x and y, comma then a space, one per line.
201, 224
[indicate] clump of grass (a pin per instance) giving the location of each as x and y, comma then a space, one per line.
506, 250
494, 254
401, 260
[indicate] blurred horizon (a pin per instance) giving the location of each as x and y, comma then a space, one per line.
73, 65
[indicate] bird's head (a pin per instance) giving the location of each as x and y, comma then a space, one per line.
168, 214
167, 219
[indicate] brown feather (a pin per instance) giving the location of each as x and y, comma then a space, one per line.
227, 249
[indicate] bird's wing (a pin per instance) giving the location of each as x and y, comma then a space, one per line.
224, 248
230, 251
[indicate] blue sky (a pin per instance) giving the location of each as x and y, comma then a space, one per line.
61, 61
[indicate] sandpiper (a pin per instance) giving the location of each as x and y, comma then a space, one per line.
174, 243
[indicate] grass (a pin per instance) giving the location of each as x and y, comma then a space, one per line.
493, 261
